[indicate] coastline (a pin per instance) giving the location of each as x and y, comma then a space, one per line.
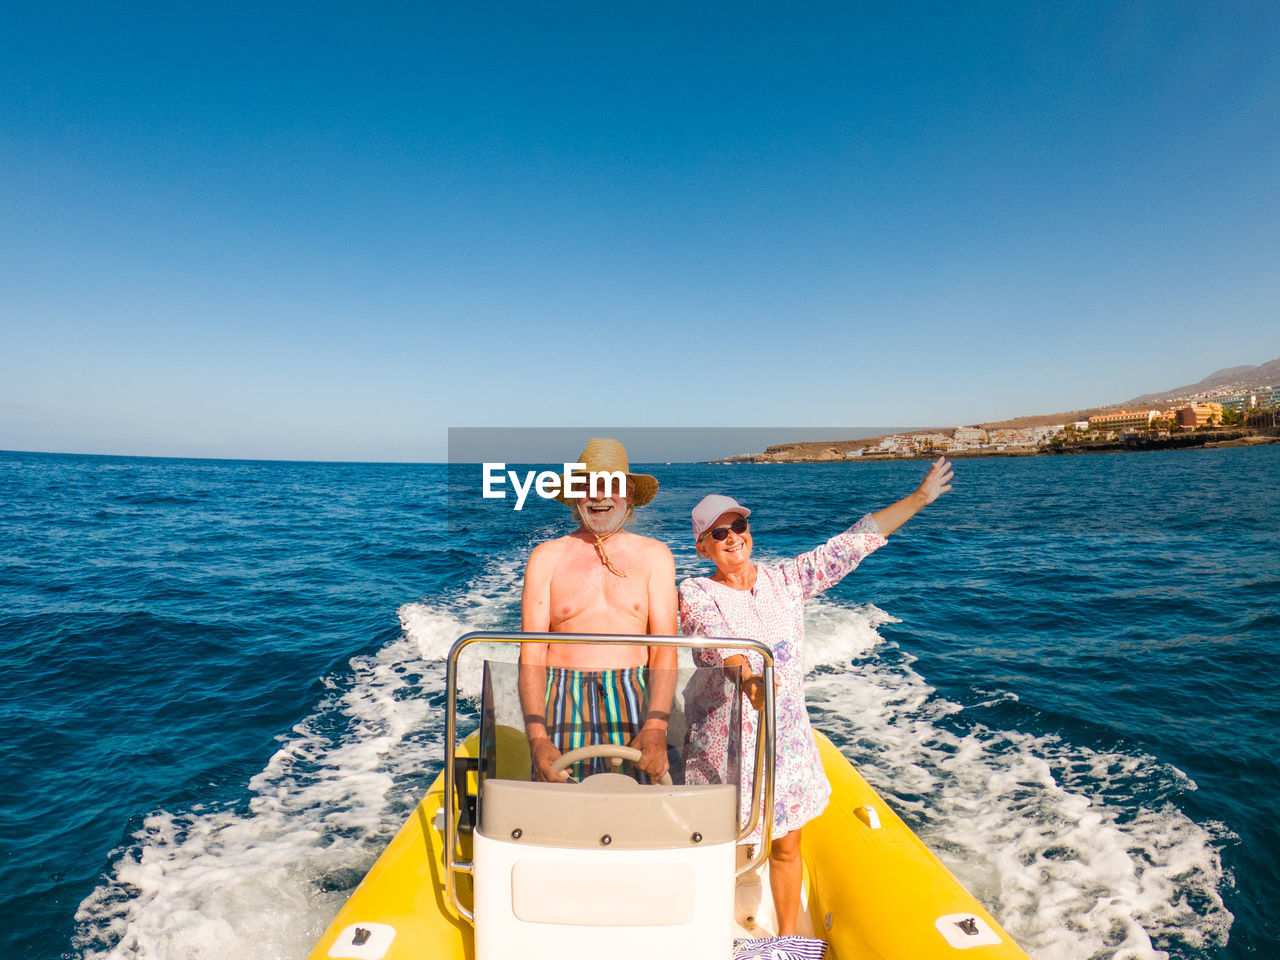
812, 452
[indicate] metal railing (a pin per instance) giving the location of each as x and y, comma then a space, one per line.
764, 757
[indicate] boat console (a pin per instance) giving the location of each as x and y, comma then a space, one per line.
605, 862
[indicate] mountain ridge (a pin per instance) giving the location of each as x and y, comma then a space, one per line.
1243, 377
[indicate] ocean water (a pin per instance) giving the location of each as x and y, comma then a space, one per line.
221, 685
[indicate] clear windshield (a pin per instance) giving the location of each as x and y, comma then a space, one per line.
577, 710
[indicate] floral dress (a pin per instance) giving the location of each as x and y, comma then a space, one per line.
773, 612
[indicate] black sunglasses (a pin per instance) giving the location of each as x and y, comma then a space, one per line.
718, 534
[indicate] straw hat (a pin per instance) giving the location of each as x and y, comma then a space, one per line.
608, 456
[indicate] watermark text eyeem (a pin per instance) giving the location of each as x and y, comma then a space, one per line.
575, 482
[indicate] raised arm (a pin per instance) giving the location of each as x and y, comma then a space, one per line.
935, 484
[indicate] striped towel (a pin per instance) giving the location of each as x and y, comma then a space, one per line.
779, 948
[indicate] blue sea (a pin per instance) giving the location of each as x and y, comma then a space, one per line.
221, 685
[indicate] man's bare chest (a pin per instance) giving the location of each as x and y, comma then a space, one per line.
586, 582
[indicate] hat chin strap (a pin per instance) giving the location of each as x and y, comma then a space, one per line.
600, 539
604, 555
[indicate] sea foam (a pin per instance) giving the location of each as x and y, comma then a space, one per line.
264, 879
1045, 833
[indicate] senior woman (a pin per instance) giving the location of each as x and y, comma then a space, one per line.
766, 602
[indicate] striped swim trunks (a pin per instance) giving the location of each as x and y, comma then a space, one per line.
594, 706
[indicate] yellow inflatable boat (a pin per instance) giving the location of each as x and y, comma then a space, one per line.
493, 865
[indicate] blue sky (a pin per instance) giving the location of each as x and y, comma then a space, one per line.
334, 231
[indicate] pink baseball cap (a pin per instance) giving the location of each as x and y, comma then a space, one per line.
709, 508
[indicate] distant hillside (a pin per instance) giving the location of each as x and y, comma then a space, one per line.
1239, 378
1234, 378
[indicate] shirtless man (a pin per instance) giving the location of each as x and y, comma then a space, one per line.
599, 579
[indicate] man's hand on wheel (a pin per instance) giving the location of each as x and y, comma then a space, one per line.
652, 744
543, 754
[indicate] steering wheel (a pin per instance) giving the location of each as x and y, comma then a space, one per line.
614, 751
